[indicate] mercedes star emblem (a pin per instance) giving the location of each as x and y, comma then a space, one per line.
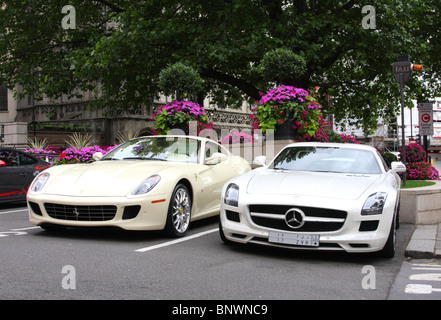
295, 218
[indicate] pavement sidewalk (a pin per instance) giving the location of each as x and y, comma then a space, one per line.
425, 242
426, 239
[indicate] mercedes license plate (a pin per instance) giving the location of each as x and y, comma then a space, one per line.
308, 240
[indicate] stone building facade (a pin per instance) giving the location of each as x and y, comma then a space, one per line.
56, 119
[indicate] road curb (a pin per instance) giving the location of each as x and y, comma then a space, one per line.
424, 243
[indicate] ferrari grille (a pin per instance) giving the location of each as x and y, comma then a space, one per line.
80, 213
315, 219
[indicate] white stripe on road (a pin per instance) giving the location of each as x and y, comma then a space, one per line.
16, 232
426, 266
28, 228
13, 211
169, 243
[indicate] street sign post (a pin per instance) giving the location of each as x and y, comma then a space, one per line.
425, 112
402, 70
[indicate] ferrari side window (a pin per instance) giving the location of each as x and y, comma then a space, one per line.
210, 149
213, 149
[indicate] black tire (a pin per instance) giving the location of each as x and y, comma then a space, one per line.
389, 248
179, 212
52, 227
222, 234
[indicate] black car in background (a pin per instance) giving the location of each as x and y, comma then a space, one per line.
17, 170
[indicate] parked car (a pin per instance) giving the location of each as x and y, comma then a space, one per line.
17, 170
317, 196
148, 183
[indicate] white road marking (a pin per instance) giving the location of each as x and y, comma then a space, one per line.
426, 266
13, 211
420, 289
16, 232
28, 228
424, 288
12, 233
170, 243
426, 276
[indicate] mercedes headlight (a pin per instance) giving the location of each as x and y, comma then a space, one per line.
147, 185
39, 182
374, 204
232, 195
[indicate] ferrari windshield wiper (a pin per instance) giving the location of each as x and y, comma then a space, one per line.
155, 158
141, 158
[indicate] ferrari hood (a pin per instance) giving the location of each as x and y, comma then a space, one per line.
101, 178
319, 184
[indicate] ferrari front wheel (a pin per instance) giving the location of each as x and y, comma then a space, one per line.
179, 212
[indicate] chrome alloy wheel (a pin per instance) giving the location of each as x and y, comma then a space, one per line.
181, 210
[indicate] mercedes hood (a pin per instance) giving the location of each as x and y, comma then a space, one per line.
321, 184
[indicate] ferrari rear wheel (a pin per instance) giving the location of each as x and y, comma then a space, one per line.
179, 212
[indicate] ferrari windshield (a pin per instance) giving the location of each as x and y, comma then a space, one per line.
327, 159
177, 149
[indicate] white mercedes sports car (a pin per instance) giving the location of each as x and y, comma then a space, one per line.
148, 183
317, 196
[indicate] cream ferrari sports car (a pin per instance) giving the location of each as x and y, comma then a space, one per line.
148, 183
316, 196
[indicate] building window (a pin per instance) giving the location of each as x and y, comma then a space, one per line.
3, 98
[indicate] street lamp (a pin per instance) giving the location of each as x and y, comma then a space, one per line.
402, 70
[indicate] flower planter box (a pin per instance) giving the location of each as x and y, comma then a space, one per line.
421, 205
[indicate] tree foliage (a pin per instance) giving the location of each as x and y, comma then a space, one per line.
124, 45
180, 81
281, 66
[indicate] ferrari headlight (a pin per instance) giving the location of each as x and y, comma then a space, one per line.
232, 195
39, 182
374, 204
147, 185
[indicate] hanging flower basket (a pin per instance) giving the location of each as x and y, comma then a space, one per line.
178, 115
291, 112
285, 130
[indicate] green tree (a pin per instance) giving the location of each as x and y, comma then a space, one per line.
180, 81
282, 66
124, 45
36, 53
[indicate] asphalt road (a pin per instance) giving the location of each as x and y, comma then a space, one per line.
111, 264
